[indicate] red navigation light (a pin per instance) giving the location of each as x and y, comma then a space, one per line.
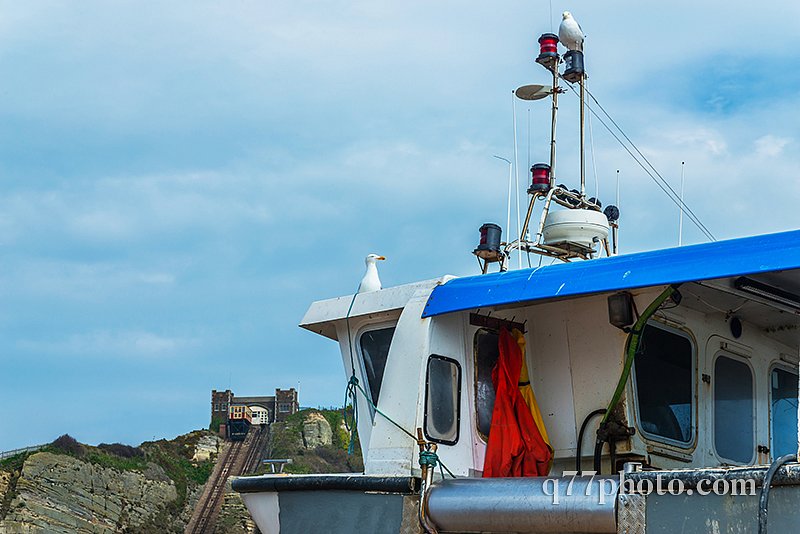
548, 50
540, 178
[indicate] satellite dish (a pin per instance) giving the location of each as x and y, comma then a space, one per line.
533, 92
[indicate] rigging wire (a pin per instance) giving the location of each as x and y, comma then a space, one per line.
654, 174
673, 196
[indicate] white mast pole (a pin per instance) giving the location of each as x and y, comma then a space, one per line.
508, 205
516, 168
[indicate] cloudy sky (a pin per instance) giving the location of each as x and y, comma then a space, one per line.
178, 181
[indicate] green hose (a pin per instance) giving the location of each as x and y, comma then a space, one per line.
632, 345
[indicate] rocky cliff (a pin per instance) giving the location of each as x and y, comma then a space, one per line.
92, 490
69, 487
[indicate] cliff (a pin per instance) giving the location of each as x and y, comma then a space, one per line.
74, 488
69, 487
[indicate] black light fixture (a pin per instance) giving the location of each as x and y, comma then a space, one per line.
620, 309
736, 327
611, 213
768, 292
573, 66
489, 246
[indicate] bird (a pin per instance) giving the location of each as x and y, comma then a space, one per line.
570, 32
370, 282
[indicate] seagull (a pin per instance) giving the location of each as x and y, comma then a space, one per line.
570, 32
370, 282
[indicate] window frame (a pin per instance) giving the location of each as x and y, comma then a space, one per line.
478, 331
783, 366
648, 436
753, 414
371, 327
457, 403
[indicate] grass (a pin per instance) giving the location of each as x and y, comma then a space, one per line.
104, 459
286, 441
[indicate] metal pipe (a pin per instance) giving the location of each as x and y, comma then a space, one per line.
553, 126
545, 209
554, 115
424, 498
614, 228
534, 504
763, 497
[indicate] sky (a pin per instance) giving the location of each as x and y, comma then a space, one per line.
179, 181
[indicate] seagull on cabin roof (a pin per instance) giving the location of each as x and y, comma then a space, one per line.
570, 32
370, 282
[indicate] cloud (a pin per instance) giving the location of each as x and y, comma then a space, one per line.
771, 146
112, 345
182, 183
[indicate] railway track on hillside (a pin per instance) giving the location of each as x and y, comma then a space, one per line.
254, 453
207, 509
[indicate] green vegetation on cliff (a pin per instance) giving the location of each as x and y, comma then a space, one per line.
316, 441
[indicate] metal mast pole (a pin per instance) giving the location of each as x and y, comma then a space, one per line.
553, 126
554, 115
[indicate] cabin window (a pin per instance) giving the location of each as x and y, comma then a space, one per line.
486, 354
442, 400
783, 412
733, 410
664, 378
374, 350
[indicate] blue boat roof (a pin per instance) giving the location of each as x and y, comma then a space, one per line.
706, 261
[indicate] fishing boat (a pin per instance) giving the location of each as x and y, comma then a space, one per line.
649, 392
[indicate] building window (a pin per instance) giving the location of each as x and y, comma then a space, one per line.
783, 412
442, 399
486, 353
374, 351
733, 410
664, 382
285, 407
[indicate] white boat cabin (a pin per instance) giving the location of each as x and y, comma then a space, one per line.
714, 380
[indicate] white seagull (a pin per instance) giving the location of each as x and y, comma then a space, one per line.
370, 282
570, 33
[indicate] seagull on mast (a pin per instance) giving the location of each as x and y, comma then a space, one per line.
370, 282
570, 32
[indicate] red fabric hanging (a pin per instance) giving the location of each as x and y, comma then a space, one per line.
515, 447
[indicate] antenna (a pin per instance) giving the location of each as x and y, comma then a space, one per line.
680, 217
508, 213
516, 168
529, 139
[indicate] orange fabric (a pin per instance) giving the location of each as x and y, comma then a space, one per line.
516, 447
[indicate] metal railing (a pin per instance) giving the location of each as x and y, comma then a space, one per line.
14, 452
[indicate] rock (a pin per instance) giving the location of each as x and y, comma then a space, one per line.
5, 481
316, 431
233, 516
61, 494
207, 445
